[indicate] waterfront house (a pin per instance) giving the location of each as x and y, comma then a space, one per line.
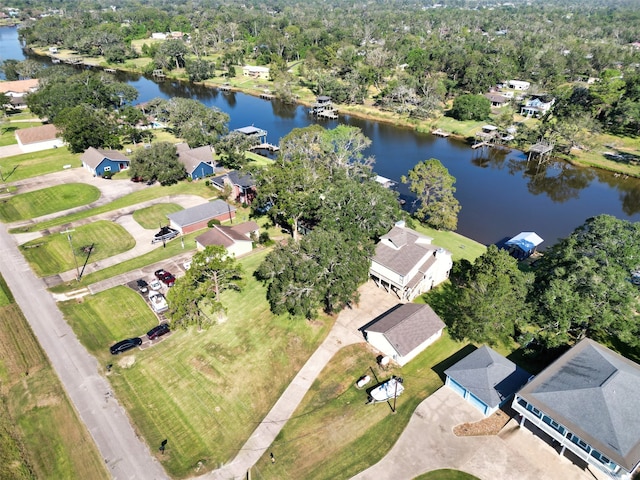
254, 71
536, 107
404, 331
587, 402
19, 88
100, 162
198, 162
496, 99
243, 186
407, 264
518, 85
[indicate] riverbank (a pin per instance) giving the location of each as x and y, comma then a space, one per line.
620, 155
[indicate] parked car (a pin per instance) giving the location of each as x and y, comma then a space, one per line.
165, 277
158, 302
158, 331
155, 285
143, 286
124, 345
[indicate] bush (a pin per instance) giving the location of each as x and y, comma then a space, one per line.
213, 222
264, 239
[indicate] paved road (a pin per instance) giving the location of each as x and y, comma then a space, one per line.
126, 456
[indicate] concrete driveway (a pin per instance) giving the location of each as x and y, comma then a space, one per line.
428, 443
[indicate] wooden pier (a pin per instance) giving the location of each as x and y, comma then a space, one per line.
110, 70
225, 87
265, 146
440, 133
541, 150
328, 114
158, 73
480, 145
267, 95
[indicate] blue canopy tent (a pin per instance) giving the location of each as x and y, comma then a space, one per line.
523, 244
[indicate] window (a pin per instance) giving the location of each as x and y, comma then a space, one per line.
534, 410
107, 169
553, 424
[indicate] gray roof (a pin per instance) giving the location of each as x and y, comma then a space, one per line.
408, 251
251, 130
192, 157
407, 325
196, 214
595, 393
94, 156
244, 181
221, 235
488, 375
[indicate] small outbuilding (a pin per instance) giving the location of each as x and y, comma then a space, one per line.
196, 218
39, 138
99, 161
235, 239
523, 245
486, 379
404, 331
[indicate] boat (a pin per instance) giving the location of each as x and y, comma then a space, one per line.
158, 302
387, 390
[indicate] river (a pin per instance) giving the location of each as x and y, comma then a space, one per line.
499, 192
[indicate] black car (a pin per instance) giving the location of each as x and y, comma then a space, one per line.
158, 331
143, 286
124, 345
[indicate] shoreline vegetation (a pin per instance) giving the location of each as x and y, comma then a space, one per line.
462, 131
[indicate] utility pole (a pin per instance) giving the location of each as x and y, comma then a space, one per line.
75, 260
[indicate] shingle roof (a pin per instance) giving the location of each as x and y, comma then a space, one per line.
595, 393
488, 375
407, 326
199, 213
38, 134
221, 235
93, 156
192, 157
235, 178
246, 227
411, 248
19, 86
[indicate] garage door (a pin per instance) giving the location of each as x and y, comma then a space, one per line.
476, 402
459, 389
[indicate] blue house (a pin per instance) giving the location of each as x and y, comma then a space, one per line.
587, 401
486, 379
198, 162
99, 162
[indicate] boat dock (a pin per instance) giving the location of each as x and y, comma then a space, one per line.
266, 146
267, 95
440, 133
328, 114
480, 144
225, 87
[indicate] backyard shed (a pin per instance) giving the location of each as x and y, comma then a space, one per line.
196, 218
404, 331
486, 379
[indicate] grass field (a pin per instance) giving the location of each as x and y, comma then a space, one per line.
460, 247
154, 216
446, 474
52, 254
205, 391
8, 132
189, 188
40, 434
28, 165
333, 434
47, 200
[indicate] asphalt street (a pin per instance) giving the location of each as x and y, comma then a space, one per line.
125, 455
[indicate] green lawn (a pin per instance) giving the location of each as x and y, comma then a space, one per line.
333, 434
8, 132
52, 254
446, 474
460, 247
190, 188
202, 391
155, 216
47, 200
41, 435
28, 165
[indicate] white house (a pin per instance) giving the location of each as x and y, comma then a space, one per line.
536, 107
406, 263
19, 88
587, 402
255, 71
35, 139
236, 239
518, 85
404, 331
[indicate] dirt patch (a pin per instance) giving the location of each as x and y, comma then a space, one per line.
488, 426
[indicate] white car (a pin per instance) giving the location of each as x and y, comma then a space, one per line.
155, 285
158, 302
